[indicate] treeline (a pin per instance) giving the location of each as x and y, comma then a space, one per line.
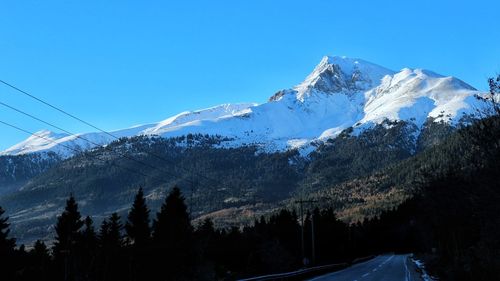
170, 248
459, 212
454, 215
453, 223
16, 170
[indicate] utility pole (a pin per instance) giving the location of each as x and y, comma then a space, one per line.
313, 250
190, 210
313, 244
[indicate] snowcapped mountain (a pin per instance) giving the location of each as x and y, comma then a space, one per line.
340, 93
66, 145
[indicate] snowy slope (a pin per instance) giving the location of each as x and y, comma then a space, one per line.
418, 94
66, 145
340, 93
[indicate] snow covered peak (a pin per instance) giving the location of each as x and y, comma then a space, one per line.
65, 145
47, 134
40, 140
191, 117
341, 74
339, 93
417, 94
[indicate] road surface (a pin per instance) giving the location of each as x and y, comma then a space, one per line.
380, 268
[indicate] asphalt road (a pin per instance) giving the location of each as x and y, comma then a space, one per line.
381, 268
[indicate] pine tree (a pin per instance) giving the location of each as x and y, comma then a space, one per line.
89, 236
6, 248
137, 226
40, 250
41, 260
172, 234
206, 228
87, 250
67, 228
67, 237
115, 230
110, 235
6, 244
206, 236
172, 224
103, 233
111, 242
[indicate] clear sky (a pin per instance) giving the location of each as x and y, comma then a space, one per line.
120, 63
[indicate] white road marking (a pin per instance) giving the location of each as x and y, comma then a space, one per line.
319, 277
407, 272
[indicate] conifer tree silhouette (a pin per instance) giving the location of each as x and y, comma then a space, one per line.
67, 235
137, 226
172, 224
6, 244
173, 237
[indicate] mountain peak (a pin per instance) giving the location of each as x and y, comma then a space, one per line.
343, 62
46, 135
340, 92
38, 141
336, 74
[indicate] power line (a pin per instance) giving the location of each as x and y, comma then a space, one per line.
83, 138
99, 129
76, 150
66, 146
52, 106
193, 183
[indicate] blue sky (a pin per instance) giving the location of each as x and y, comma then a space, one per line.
120, 63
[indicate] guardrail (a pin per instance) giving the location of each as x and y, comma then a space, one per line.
307, 272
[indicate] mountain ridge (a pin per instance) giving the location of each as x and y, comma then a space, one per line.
338, 94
